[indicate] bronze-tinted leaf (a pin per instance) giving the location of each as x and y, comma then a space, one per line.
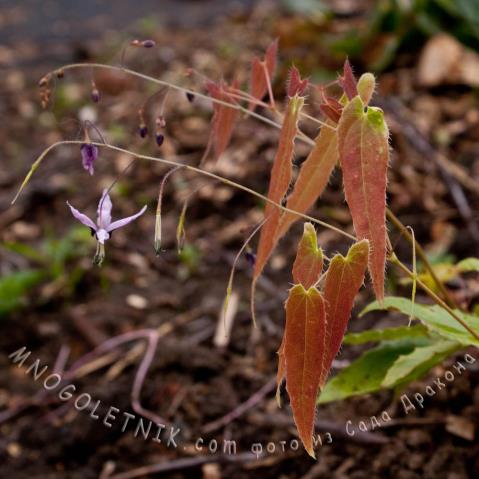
348, 82
312, 178
296, 86
281, 175
344, 277
259, 83
304, 356
308, 264
224, 117
364, 155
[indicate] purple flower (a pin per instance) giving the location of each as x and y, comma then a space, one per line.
89, 154
104, 226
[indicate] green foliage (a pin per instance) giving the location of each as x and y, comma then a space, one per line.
411, 366
434, 318
50, 260
14, 287
396, 25
468, 264
190, 257
367, 373
388, 334
404, 353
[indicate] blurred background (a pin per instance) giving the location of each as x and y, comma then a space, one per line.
54, 302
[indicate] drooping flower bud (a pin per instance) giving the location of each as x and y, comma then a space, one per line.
60, 73
251, 258
95, 93
190, 96
89, 154
148, 43
160, 138
143, 131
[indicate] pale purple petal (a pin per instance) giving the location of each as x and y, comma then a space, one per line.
104, 211
123, 222
102, 235
89, 154
82, 218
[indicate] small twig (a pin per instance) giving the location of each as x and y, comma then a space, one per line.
256, 398
181, 464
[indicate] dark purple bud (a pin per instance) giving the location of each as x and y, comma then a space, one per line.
143, 131
89, 154
251, 258
148, 43
159, 139
190, 96
95, 95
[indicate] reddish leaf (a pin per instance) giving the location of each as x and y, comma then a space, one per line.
344, 278
304, 356
296, 86
348, 82
330, 112
258, 83
313, 177
281, 371
224, 117
281, 175
364, 154
308, 264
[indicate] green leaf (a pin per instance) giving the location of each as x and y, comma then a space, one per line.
468, 264
366, 374
378, 335
14, 286
434, 317
412, 366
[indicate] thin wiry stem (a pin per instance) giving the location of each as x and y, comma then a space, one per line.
173, 86
422, 254
393, 259
226, 181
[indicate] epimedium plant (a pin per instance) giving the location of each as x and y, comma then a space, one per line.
354, 136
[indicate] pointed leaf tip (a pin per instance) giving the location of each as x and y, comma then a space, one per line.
296, 86
308, 264
259, 69
224, 117
348, 82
